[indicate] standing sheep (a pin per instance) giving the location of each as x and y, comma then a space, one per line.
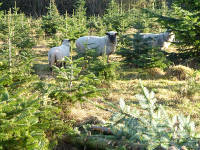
103, 45
162, 40
56, 54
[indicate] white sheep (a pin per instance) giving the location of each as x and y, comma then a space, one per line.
103, 45
162, 40
56, 54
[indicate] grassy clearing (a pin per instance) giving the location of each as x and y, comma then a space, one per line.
176, 95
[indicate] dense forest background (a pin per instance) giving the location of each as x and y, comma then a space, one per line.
38, 8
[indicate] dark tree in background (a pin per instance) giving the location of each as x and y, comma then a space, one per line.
29, 7
37, 8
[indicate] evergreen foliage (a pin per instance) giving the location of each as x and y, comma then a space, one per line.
20, 123
15, 23
16, 54
52, 22
37, 8
96, 25
36, 121
143, 22
140, 54
75, 25
73, 86
184, 20
116, 18
104, 71
28, 121
151, 124
193, 5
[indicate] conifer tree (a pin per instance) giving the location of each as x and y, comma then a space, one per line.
72, 85
52, 22
16, 54
76, 25
141, 54
184, 19
116, 18
26, 122
153, 126
25, 118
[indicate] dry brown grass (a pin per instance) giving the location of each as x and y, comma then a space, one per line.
87, 112
156, 72
179, 72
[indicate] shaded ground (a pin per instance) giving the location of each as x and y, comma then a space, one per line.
41, 66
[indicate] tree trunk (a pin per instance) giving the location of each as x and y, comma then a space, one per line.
10, 37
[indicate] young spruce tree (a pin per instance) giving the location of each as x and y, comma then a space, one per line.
52, 22
72, 85
140, 54
184, 20
75, 25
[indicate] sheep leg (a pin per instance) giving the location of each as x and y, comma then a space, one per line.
64, 64
51, 68
107, 58
51, 62
59, 64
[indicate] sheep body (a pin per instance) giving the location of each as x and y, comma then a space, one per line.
103, 45
162, 40
57, 54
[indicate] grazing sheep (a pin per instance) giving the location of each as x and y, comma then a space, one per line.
103, 45
162, 40
57, 54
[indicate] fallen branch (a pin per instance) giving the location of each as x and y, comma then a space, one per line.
102, 130
101, 142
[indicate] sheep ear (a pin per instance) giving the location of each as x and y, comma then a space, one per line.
169, 30
107, 33
116, 33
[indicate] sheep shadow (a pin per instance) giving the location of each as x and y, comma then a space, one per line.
42, 70
127, 73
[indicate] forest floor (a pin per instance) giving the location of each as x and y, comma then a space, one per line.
171, 93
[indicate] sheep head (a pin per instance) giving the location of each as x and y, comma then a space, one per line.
66, 42
112, 36
170, 36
